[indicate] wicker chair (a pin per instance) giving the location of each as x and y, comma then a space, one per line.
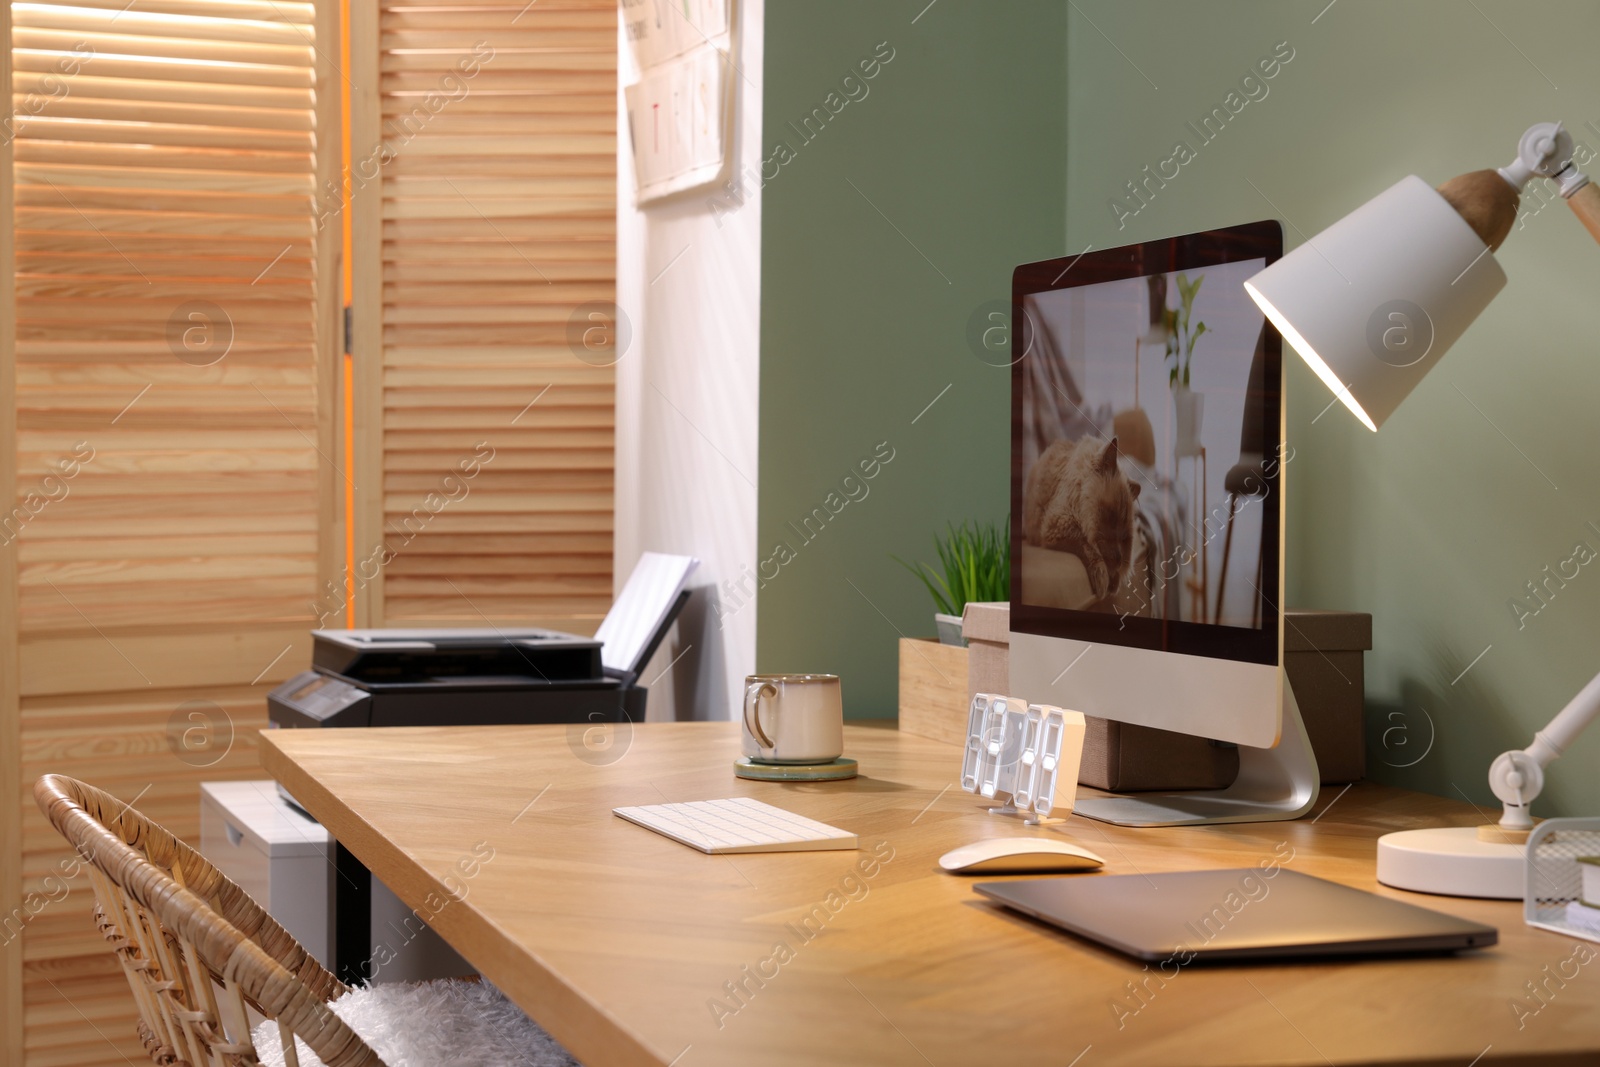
198, 951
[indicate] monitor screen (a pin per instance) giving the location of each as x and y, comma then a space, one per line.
1146, 447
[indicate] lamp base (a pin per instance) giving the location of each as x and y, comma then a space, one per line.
1451, 861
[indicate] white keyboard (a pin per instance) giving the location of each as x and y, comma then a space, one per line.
737, 825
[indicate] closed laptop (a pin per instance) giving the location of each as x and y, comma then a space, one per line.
1235, 914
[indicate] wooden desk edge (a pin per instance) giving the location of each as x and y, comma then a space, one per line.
587, 1031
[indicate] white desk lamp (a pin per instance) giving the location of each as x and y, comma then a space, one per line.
1372, 303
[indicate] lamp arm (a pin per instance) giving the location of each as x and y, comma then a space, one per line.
1546, 150
1581, 195
1517, 777
1569, 722
1585, 203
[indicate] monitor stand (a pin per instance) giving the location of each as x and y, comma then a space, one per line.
1274, 784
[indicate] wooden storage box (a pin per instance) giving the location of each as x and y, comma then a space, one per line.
933, 690
1323, 655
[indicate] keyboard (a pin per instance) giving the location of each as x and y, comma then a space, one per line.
739, 824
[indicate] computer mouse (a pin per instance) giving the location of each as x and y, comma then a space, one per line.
1015, 855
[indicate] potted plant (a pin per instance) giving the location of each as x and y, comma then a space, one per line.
1181, 338
975, 562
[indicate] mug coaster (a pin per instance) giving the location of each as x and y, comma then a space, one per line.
832, 771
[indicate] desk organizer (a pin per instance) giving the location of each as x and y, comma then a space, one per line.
1025, 753
1555, 883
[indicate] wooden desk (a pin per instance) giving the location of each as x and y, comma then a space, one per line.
622, 943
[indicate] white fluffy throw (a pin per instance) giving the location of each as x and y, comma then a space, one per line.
444, 1023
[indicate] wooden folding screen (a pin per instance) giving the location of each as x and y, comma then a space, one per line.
171, 468
172, 512
484, 138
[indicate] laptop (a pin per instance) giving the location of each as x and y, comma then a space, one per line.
1235, 915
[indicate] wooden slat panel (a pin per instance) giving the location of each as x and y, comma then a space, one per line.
82, 106
594, 235
505, 11
572, 72
477, 566
548, 520
552, 63
507, 459
570, 614
142, 21
492, 224
530, 545
139, 132
489, 102
541, 479
404, 443
181, 560
540, 37
213, 41
91, 86
120, 549
79, 1013
401, 377
63, 373
443, 20
174, 486
248, 10
177, 69
120, 743
236, 257
127, 608
167, 157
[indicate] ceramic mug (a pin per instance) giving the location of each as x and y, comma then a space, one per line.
793, 718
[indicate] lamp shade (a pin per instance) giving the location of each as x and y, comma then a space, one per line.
1373, 301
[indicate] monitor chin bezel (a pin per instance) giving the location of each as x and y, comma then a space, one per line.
1256, 240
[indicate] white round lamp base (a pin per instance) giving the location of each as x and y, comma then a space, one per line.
1451, 861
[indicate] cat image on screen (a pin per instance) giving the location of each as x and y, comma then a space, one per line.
1077, 500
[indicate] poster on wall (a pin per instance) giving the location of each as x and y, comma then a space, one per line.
680, 106
676, 121
658, 30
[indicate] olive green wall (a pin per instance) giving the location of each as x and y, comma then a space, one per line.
882, 237
1490, 471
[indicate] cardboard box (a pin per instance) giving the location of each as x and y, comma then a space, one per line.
1322, 653
987, 628
1123, 758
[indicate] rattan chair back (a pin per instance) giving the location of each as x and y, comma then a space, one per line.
196, 949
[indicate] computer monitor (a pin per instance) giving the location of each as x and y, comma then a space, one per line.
1147, 474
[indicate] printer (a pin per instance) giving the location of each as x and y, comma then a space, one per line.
489, 677
447, 677
463, 677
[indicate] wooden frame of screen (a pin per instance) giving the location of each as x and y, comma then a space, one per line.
11, 1038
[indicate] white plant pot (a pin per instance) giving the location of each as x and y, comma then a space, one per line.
949, 627
1190, 406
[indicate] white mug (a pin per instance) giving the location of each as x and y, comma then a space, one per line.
793, 718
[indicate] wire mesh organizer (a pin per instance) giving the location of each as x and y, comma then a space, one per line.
1555, 877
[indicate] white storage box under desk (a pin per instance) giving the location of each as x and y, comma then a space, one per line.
277, 855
